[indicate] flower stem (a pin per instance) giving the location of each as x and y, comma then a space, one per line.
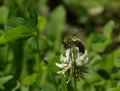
75, 85
37, 43
64, 85
38, 48
74, 67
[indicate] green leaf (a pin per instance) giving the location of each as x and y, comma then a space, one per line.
21, 32
3, 14
104, 74
32, 11
107, 31
16, 87
48, 87
94, 58
52, 65
64, 85
118, 83
106, 63
29, 80
3, 41
41, 23
1, 32
89, 42
5, 79
55, 25
24, 88
95, 79
117, 58
17, 28
98, 47
100, 42
17, 21
43, 66
114, 89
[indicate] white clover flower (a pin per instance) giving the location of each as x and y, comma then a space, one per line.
66, 62
73, 60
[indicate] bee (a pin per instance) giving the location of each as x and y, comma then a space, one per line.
73, 41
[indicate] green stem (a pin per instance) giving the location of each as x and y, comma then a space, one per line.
64, 85
37, 43
75, 85
74, 67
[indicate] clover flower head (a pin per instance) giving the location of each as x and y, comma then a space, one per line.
73, 63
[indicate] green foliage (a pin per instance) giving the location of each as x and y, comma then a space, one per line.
114, 89
48, 87
21, 32
31, 35
3, 14
117, 58
56, 23
29, 79
16, 87
107, 31
102, 40
41, 23
52, 65
16, 29
4, 80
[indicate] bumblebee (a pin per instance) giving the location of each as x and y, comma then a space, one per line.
72, 41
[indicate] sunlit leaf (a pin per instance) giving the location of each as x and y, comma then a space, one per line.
3, 14
21, 32
118, 83
29, 79
43, 66
41, 23
114, 89
24, 88
3, 41
107, 31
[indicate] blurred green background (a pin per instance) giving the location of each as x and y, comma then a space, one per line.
31, 35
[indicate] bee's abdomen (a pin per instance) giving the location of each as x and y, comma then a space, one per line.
80, 46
